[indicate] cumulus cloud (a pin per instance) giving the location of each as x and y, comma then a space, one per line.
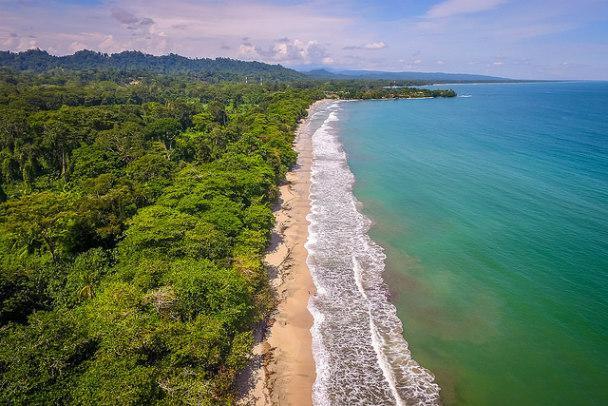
450, 8
375, 45
19, 43
369, 46
286, 50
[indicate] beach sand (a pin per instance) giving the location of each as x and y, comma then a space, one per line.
282, 371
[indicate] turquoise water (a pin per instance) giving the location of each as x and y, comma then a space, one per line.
493, 213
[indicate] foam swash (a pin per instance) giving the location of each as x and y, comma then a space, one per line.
360, 353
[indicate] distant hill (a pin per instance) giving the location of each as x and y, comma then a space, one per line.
132, 61
325, 74
218, 68
413, 76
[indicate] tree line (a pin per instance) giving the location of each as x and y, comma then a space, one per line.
37, 60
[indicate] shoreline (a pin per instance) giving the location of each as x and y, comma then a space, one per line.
283, 369
356, 328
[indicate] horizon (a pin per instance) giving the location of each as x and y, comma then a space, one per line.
304, 69
509, 39
309, 69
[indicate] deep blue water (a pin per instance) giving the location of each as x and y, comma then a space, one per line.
493, 213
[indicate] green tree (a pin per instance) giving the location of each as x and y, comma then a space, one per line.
165, 130
44, 220
42, 360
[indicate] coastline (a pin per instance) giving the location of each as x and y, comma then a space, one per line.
356, 330
283, 368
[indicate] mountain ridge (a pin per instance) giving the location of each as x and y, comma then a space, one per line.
404, 75
38, 60
218, 68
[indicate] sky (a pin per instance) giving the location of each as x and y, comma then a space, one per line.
524, 39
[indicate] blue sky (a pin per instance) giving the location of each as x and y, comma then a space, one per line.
554, 39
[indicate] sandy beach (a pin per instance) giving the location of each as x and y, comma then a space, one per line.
283, 368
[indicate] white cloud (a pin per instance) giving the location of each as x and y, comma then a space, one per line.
107, 44
375, 45
450, 8
289, 51
26, 43
77, 46
370, 46
18, 43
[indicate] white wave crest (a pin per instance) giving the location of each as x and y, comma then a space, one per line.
360, 354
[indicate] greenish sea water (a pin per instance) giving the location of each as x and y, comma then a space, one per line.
493, 213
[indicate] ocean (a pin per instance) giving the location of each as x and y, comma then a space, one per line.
460, 247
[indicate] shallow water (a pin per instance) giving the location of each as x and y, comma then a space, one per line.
493, 213
360, 353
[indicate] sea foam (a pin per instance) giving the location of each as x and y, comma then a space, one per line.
360, 354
